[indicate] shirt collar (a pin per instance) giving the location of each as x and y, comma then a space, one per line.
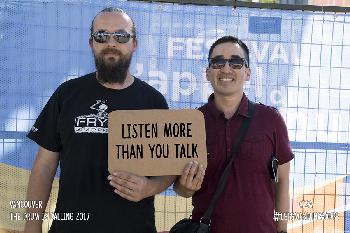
242, 108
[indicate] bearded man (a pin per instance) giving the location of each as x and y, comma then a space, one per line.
72, 131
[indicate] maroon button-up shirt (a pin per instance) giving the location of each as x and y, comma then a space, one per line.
248, 200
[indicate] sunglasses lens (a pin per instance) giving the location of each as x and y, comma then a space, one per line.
122, 38
236, 63
218, 63
100, 37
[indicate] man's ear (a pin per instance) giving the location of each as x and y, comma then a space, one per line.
90, 42
135, 44
247, 74
207, 73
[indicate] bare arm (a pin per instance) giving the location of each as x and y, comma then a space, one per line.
282, 194
159, 183
190, 181
39, 185
135, 188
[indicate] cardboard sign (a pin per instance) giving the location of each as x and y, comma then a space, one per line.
155, 142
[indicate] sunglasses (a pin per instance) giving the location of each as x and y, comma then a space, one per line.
120, 37
274, 169
234, 63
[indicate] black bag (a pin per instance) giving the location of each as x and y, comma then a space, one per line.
186, 225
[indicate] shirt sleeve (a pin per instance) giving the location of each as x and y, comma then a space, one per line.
163, 104
159, 101
45, 131
282, 147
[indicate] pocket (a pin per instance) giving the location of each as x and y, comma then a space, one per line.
253, 153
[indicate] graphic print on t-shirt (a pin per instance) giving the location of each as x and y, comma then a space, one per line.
93, 123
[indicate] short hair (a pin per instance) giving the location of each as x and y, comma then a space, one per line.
113, 9
233, 40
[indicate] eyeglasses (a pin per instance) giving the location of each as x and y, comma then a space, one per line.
120, 37
234, 63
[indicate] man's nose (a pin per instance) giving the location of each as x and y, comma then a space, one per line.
226, 68
111, 42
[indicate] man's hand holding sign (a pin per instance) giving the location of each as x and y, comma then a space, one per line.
155, 143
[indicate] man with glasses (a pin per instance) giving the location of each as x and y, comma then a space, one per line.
255, 187
72, 131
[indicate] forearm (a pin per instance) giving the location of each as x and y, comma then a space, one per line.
282, 206
39, 186
282, 203
158, 184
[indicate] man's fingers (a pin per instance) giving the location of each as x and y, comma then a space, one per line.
129, 186
127, 176
193, 171
127, 194
123, 183
125, 180
124, 190
185, 173
198, 180
192, 176
187, 169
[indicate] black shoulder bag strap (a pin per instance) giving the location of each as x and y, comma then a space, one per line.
205, 220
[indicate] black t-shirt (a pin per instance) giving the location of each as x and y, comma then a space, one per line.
74, 123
